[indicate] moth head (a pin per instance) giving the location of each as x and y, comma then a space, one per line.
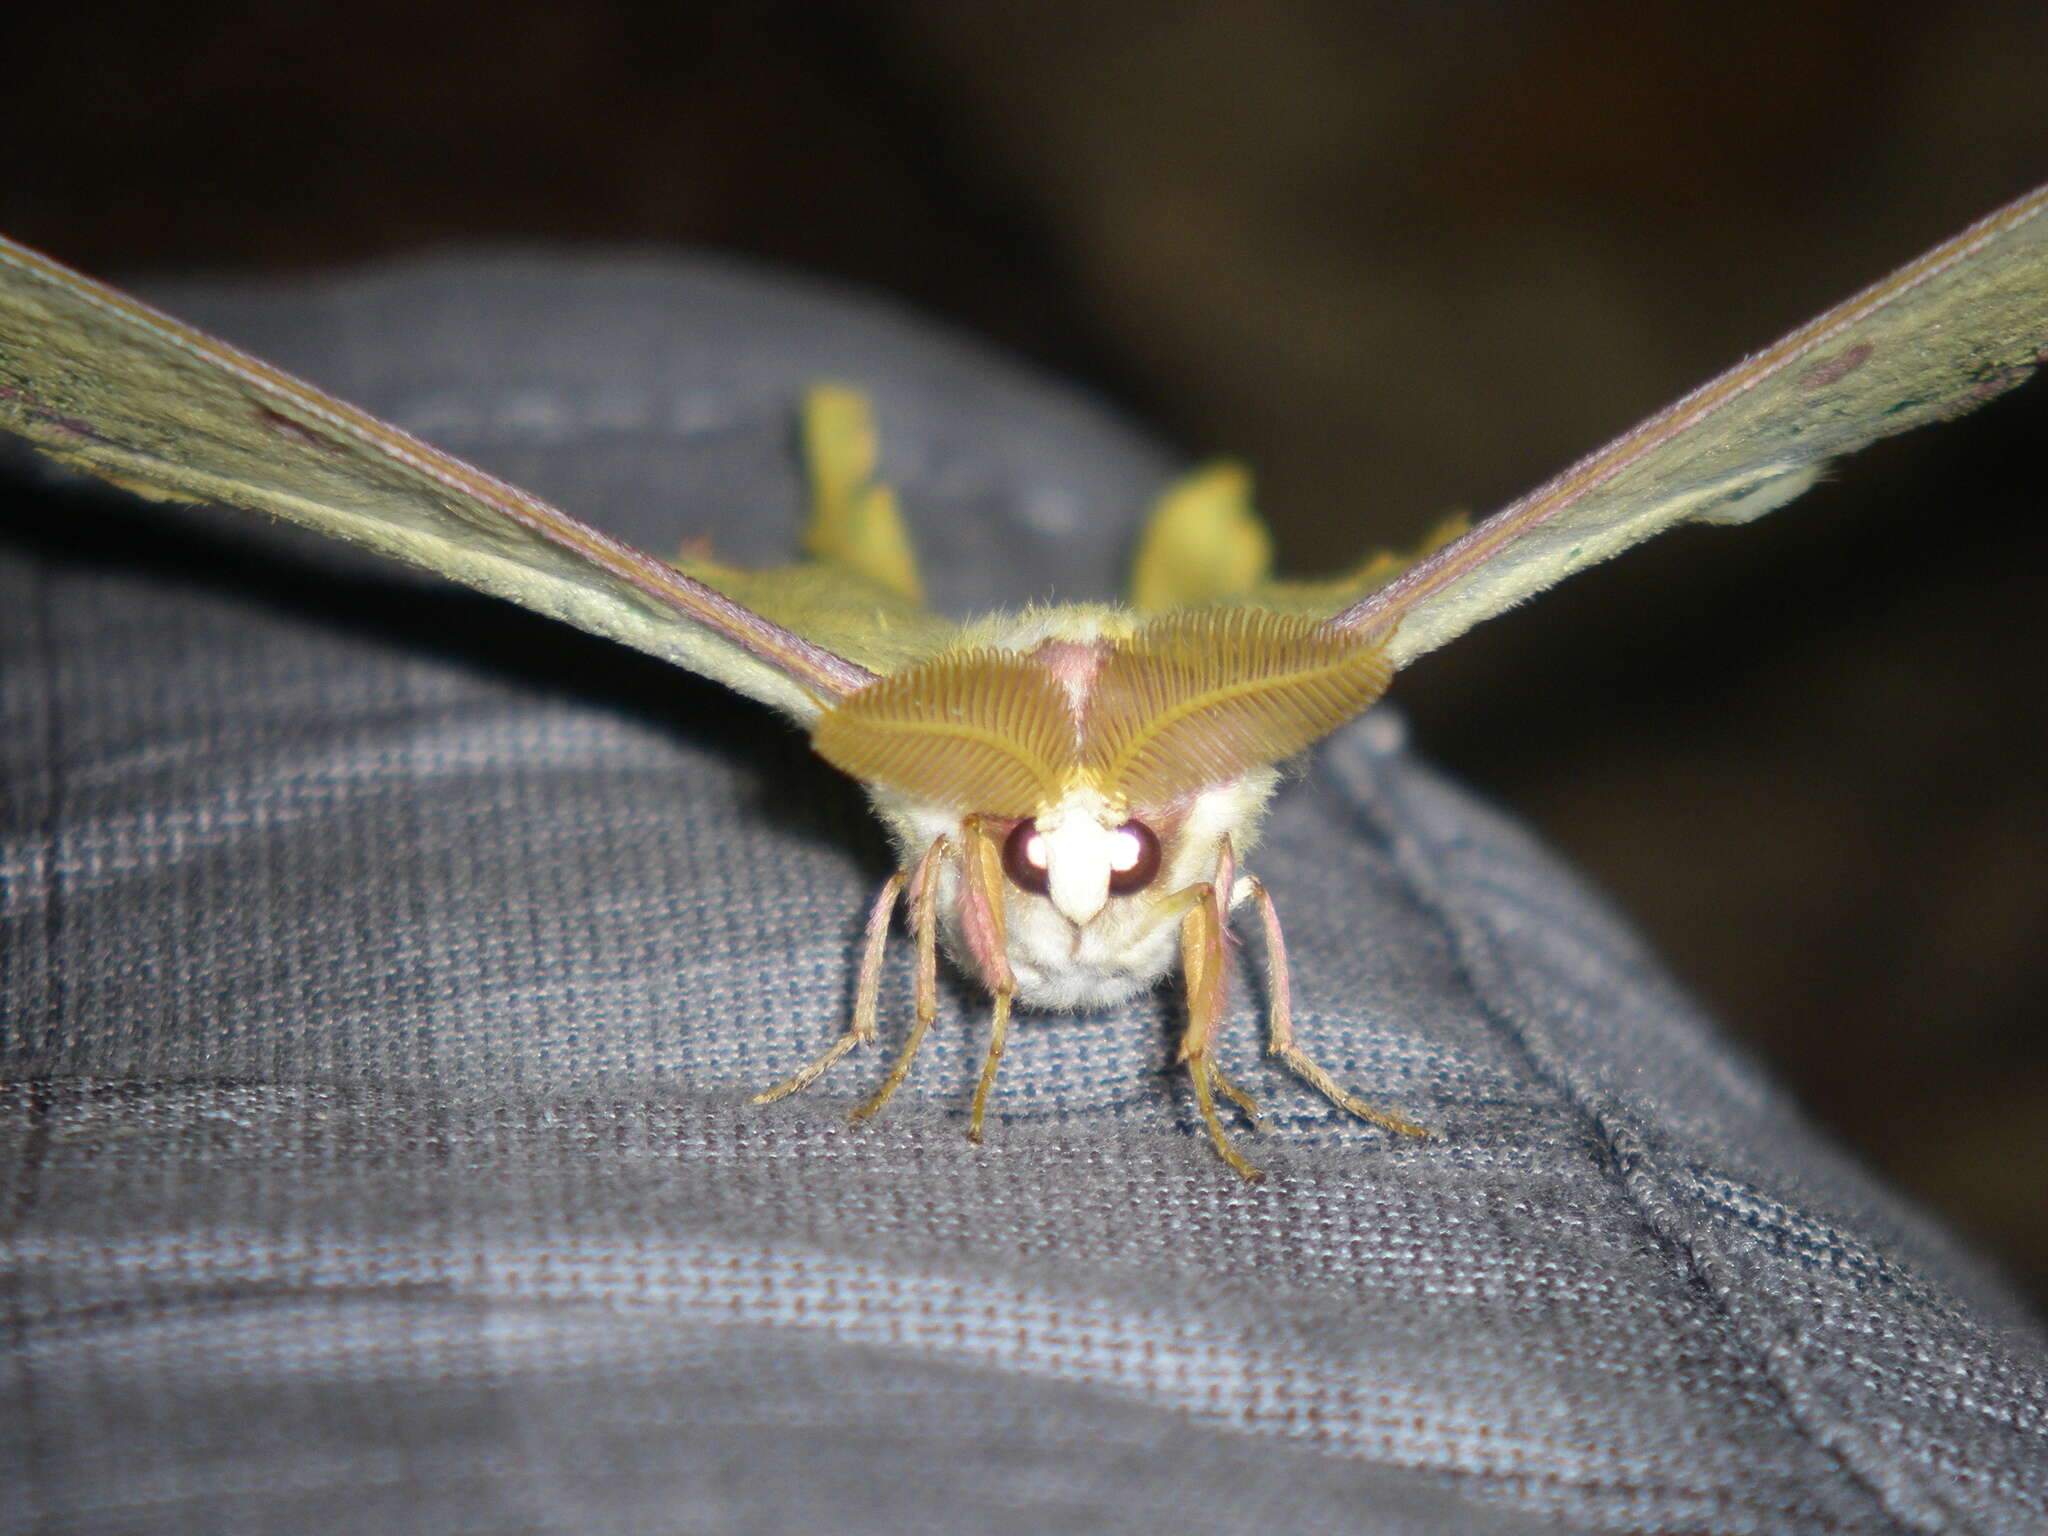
1081, 852
1108, 756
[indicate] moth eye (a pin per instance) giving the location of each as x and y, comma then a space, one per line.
1134, 859
1024, 858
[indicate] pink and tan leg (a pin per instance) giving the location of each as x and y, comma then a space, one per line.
924, 922
1204, 962
981, 920
867, 992
1280, 1040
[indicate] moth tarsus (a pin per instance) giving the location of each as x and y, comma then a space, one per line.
1069, 789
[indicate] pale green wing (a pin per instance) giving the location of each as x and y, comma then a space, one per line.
1936, 339
859, 594
836, 607
1205, 546
111, 386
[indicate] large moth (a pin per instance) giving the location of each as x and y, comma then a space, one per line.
1071, 791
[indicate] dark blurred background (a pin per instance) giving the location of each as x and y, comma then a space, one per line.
1402, 258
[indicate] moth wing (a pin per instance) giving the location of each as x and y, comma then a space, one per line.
111, 386
860, 593
1206, 546
1936, 339
837, 607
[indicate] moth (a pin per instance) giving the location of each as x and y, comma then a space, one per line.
1071, 791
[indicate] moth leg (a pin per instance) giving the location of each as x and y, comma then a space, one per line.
999, 1036
1226, 868
1202, 970
1246, 1104
981, 918
866, 996
1281, 1029
924, 921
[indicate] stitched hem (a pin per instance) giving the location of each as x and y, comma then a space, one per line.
1639, 1167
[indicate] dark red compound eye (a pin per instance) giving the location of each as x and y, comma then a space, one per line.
1024, 858
1134, 862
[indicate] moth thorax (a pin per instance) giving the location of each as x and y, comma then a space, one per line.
1079, 853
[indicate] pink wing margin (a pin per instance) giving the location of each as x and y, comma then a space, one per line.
70, 345
1935, 339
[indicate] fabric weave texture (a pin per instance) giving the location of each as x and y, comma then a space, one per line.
385, 972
